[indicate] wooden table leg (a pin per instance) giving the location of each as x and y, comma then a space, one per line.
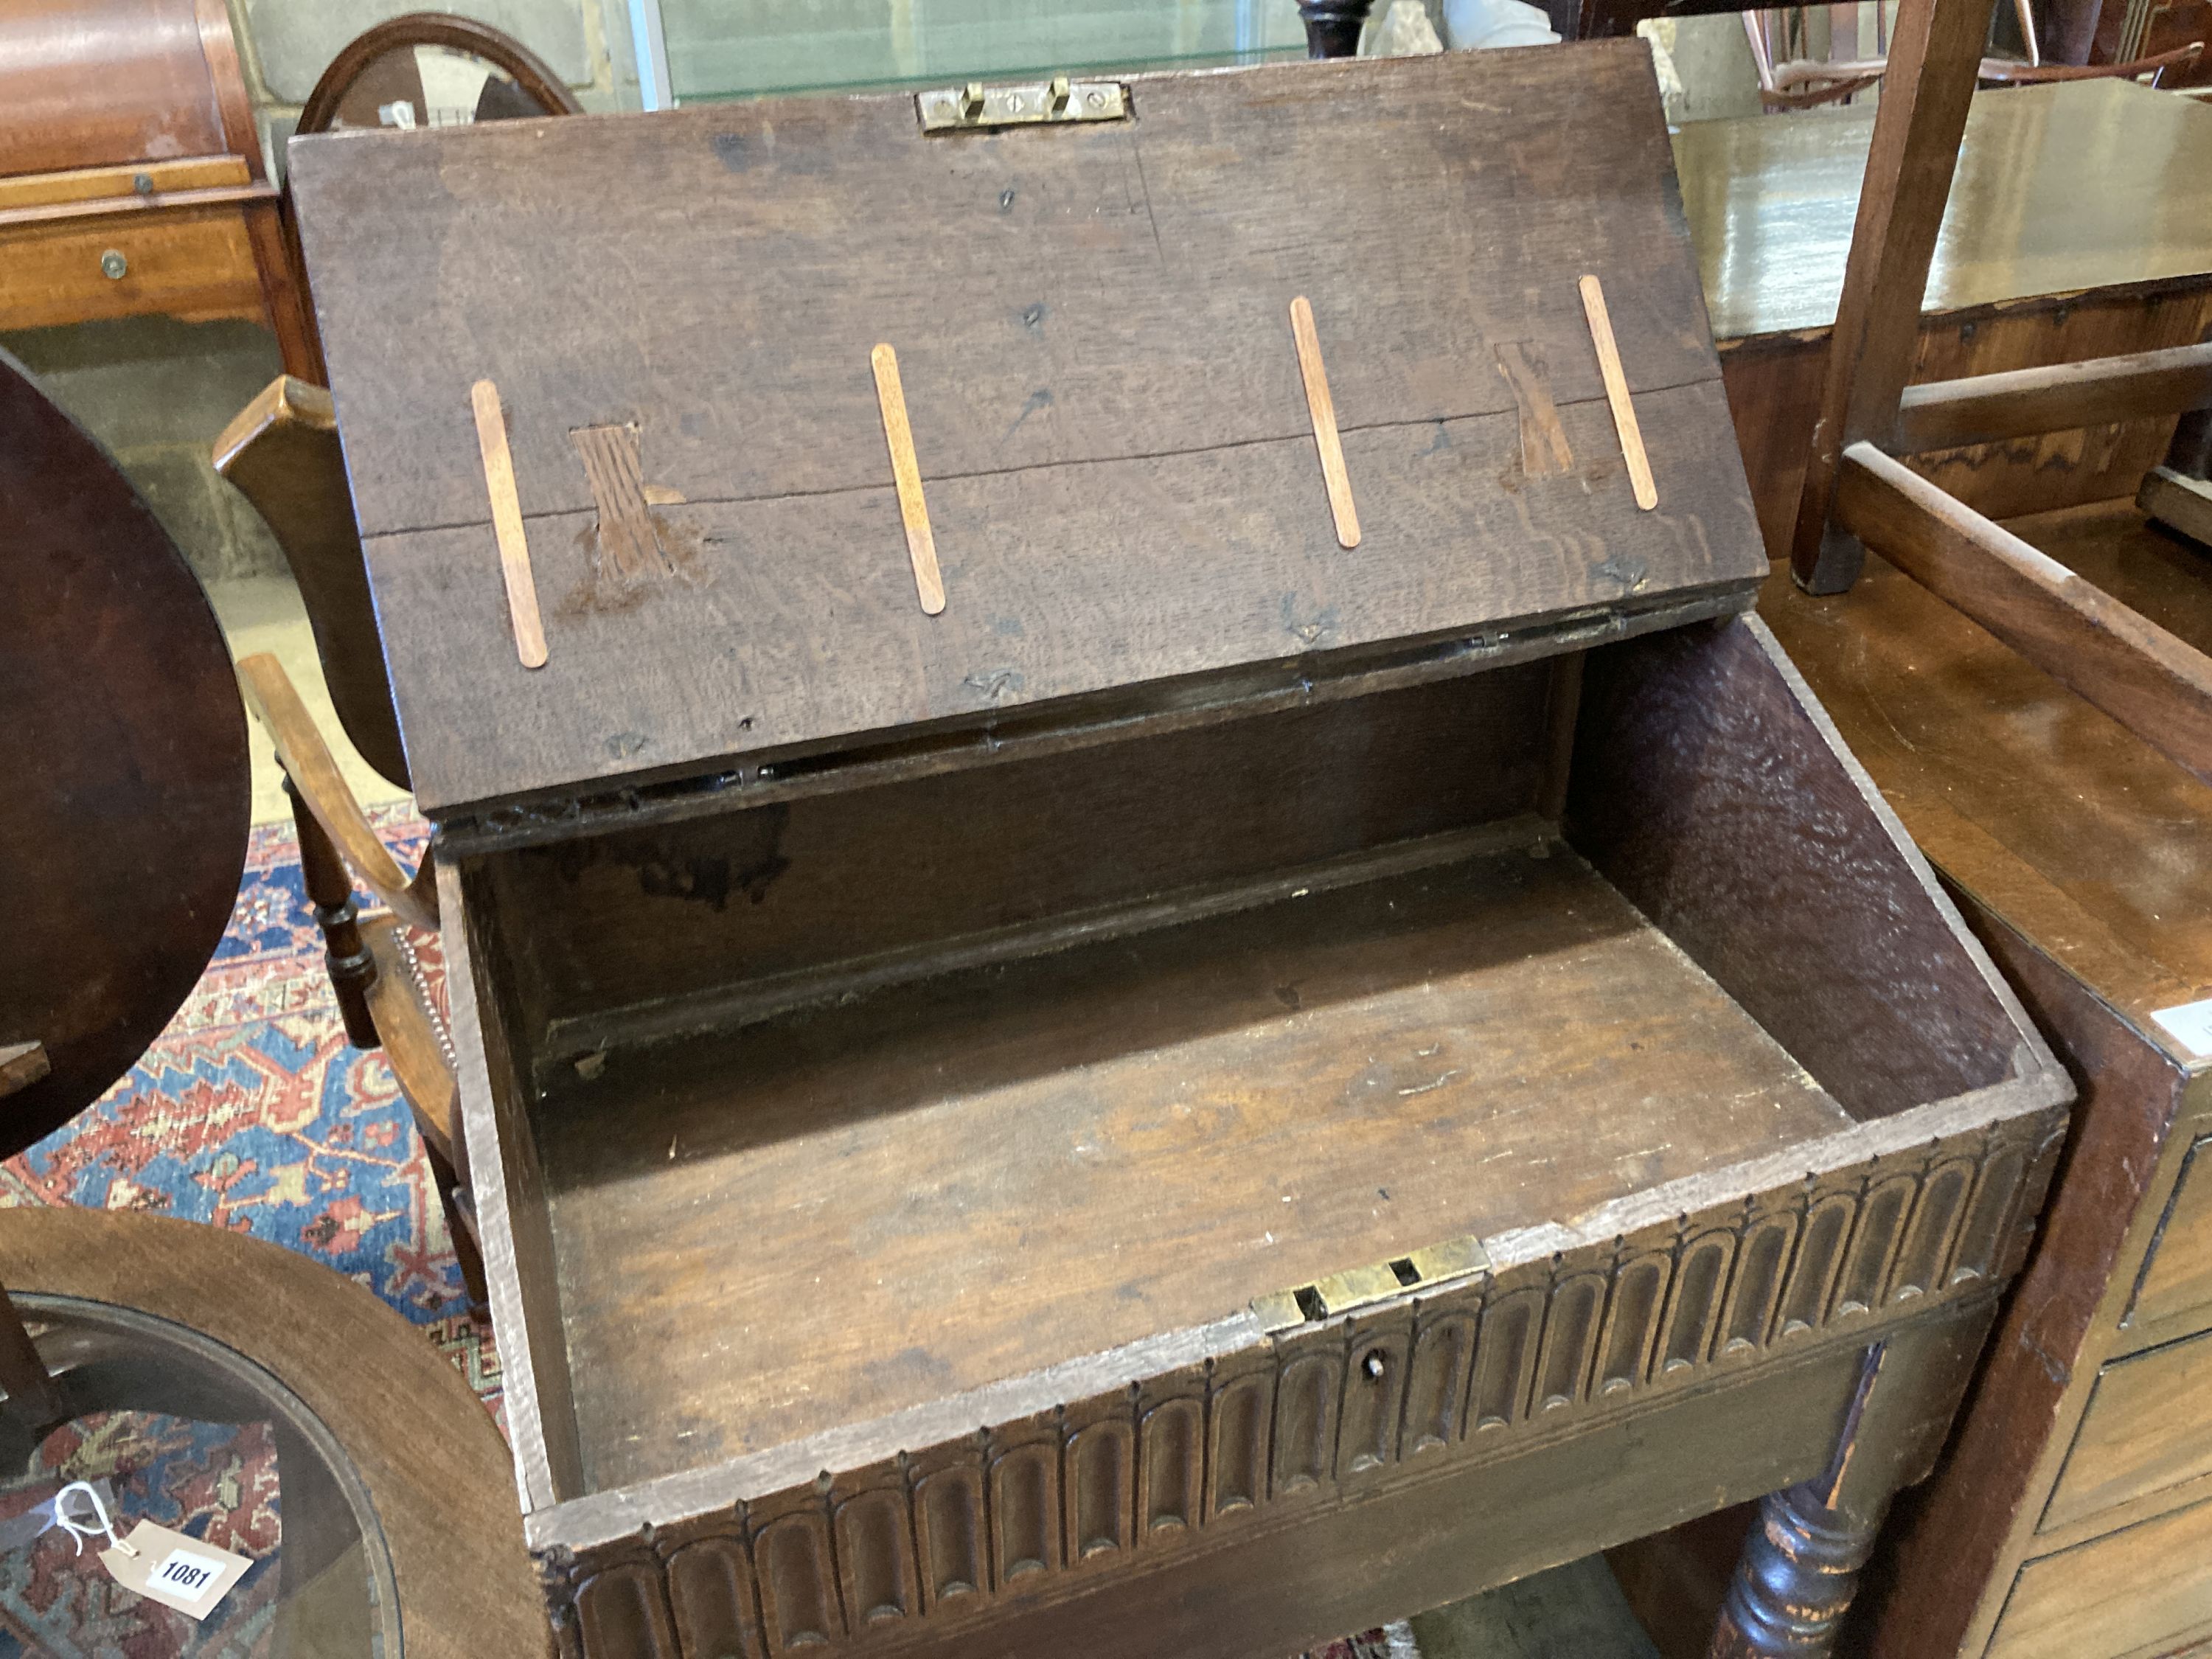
1801, 1565
1333, 27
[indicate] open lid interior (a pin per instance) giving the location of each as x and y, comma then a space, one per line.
1114, 442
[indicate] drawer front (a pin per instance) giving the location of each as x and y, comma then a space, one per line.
193, 262
2126, 1593
2149, 1427
2178, 1278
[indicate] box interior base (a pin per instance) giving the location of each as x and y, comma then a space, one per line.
835, 1214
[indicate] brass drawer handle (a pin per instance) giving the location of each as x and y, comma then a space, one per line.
113, 265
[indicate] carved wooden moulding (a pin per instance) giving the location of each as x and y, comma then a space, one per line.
1243, 1436
1150, 910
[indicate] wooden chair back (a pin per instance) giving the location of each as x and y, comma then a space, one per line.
282, 452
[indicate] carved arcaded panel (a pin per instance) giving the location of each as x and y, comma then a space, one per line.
1439, 1377
1030, 1506
624, 1610
710, 1586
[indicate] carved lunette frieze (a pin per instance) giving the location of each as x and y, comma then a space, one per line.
1309, 1411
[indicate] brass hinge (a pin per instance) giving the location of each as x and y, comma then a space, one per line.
976, 107
1405, 1275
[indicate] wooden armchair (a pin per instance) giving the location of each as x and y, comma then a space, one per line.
1859, 492
282, 452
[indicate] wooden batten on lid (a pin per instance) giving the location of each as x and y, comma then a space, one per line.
945, 428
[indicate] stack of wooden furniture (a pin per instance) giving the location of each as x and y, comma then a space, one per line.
1144, 959
131, 179
2035, 700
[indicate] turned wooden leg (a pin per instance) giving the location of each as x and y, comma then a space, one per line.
1800, 1566
330, 890
1333, 27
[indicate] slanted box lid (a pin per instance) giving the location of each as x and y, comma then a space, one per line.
1092, 326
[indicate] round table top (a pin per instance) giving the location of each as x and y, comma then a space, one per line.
393, 1417
123, 813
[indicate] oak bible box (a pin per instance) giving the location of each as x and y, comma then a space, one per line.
1127, 896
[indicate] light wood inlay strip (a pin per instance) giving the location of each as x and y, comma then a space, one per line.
906, 472
1616, 393
1323, 408
506, 524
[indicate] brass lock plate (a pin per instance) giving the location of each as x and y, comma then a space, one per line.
1423, 1270
977, 107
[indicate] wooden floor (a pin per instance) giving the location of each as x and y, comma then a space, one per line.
1032, 1164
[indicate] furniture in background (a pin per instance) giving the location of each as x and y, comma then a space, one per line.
281, 454
421, 69
123, 830
2079, 225
1005, 1114
122, 838
2035, 700
132, 178
1804, 83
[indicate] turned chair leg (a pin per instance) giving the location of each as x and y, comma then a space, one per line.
1333, 27
461, 1223
330, 890
1800, 1567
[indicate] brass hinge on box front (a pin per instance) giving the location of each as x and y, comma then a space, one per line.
976, 107
1405, 1275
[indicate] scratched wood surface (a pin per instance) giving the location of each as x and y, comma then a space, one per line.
965, 1180
1092, 325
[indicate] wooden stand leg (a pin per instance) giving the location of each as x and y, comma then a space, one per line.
2190, 454
32, 1399
1333, 27
1801, 1563
461, 1223
330, 890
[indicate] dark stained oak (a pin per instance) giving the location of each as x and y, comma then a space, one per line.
1177, 1101
123, 832
1140, 395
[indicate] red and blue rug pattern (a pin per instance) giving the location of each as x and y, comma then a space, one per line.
250, 1112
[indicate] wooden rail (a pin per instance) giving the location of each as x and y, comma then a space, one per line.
2154, 684
2025, 402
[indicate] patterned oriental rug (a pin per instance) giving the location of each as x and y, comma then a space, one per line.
250, 1112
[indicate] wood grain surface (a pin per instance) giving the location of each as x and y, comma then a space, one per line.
2020, 402
2154, 682
1136, 393
434, 1463
2112, 875
2123, 1596
2058, 190
2178, 1277
2138, 1434
999, 1171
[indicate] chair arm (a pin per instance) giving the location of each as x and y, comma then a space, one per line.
306, 761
